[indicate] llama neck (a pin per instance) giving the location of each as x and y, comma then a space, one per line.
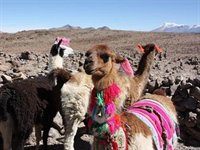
142, 73
145, 64
101, 83
55, 62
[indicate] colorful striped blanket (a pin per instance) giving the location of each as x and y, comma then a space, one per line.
162, 126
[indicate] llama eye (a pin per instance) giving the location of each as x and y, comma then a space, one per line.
105, 57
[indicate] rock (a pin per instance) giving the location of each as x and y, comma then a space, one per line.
191, 120
178, 79
6, 78
25, 55
195, 92
5, 67
190, 103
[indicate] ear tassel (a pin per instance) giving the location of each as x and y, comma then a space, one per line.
141, 49
126, 66
158, 49
65, 41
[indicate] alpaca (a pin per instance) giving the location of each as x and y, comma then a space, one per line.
133, 128
21, 108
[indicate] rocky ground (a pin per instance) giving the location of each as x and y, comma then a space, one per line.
176, 69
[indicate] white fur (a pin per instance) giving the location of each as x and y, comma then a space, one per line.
6, 130
75, 99
55, 62
68, 51
140, 142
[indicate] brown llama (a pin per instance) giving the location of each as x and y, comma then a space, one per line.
149, 123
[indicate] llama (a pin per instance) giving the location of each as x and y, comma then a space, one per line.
21, 108
75, 95
59, 49
24, 107
137, 127
101, 63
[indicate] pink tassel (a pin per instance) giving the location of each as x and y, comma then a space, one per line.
110, 108
126, 66
114, 123
65, 41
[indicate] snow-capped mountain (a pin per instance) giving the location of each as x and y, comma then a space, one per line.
173, 27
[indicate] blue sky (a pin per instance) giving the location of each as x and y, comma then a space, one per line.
139, 15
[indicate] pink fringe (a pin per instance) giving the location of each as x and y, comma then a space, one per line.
114, 123
65, 41
110, 108
127, 67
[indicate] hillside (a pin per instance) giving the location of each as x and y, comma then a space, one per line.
81, 39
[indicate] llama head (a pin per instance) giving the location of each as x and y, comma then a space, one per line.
101, 60
59, 49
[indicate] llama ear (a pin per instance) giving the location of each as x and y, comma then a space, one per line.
60, 41
140, 48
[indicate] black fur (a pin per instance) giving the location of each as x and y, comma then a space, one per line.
30, 102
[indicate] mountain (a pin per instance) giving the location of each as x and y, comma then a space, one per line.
104, 28
66, 27
173, 27
78, 27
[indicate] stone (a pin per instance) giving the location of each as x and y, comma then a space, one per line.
195, 92
6, 78
191, 119
190, 103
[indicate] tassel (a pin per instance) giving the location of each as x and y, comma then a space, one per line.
125, 65
158, 49
110, 109
65, 41
111, 93
141, 49
114, 145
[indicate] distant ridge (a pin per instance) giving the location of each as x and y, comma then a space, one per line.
67, 27
173, 27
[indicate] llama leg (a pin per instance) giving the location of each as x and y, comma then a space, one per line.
70, 134
38, 135
18, 143
6, 131
45, 136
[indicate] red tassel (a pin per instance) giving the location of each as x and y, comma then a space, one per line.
141, 49
158, 49
114, 145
